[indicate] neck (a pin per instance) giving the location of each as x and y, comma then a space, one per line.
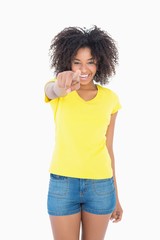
89, 86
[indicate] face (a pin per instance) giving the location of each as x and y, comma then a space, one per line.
84, 62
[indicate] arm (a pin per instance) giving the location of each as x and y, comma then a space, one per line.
66, 82
117, 214
55, 89
49, 90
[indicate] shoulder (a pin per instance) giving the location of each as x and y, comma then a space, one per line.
107, 91
109, 96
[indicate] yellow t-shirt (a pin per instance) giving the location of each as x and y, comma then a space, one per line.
80, 127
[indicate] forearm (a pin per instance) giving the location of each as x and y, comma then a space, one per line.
52, 90
65, 82
49, 90
114, 171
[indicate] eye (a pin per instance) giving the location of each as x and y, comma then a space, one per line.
75, 62
91, 62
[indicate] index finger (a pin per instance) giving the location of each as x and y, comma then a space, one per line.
76, 76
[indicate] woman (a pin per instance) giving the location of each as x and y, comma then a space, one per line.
82, 187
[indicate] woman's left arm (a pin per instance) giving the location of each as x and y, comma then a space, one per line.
117, 213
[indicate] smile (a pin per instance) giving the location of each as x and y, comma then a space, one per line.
84, 76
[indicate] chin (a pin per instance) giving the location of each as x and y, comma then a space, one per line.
85, 82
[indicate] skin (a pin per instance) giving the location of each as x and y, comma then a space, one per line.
94, 226
117, 214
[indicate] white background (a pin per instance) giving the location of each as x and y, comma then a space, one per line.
26, 129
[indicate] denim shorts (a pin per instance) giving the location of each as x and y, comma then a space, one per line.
67, 195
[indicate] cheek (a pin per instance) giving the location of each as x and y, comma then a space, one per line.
93, 69
74, 67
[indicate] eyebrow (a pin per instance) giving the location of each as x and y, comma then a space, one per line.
87, 59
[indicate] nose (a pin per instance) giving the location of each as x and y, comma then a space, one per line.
83, 68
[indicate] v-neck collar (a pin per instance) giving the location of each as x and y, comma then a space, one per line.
91, 100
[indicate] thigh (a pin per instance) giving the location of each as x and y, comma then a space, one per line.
66, 227
94, 226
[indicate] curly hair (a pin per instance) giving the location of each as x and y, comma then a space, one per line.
65, 45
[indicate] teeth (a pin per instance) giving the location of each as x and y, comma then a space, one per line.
84, 76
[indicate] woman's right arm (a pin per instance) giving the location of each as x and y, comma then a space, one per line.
49, 90
66, 82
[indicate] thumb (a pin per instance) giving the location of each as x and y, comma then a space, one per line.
76, 75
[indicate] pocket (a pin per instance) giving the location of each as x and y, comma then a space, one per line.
58, 185
104, 186
58, 177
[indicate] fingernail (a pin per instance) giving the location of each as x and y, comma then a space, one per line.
68, 90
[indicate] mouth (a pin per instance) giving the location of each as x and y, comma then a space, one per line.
83, 76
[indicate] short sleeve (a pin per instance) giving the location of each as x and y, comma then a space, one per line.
46, 99
117, 105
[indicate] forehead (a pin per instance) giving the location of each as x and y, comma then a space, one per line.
83, 53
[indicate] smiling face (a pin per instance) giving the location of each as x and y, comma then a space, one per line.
84, 62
